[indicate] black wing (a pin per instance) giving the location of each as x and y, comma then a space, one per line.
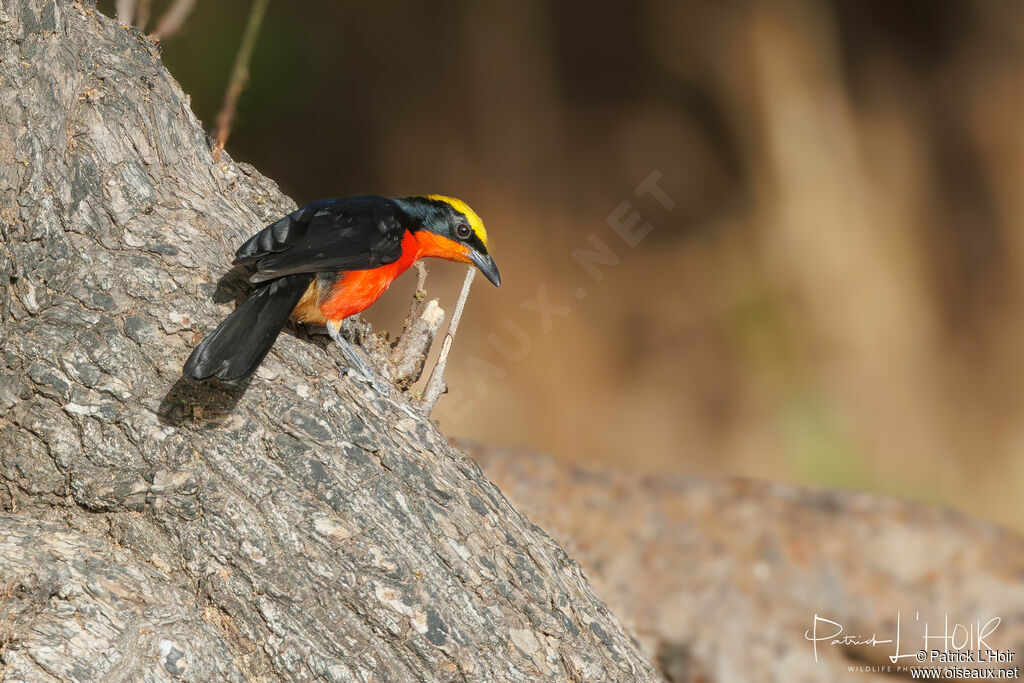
356, 233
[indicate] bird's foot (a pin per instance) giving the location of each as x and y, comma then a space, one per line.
358, 369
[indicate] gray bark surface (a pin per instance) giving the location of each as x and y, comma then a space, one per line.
299, 526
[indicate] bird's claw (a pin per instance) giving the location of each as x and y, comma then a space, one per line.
357, 368
363, 378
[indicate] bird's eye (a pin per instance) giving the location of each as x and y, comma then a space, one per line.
463, 231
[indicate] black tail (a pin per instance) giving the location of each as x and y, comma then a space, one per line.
237, 347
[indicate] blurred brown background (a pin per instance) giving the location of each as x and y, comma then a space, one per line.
834, 298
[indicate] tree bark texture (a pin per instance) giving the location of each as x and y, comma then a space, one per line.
300, 526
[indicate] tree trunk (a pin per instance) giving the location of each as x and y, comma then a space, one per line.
298, 526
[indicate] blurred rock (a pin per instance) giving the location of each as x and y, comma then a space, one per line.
720, 579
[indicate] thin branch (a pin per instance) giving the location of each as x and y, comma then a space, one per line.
173, 19
421, 281
419, 295
409, 353
124, 10
142, 14
239, 76
436, 384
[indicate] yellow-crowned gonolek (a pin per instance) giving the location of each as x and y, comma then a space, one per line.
332, 259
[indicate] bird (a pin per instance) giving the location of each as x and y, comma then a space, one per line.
331, 259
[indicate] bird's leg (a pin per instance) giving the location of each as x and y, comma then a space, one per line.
357, 368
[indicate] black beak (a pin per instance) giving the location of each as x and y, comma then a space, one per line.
487, 266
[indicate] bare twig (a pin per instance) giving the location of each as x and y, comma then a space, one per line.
142, 14
419, 296
436, 384
124, 10
409, 354
421, 281
239, 75
173, 19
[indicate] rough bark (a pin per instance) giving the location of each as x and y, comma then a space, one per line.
299, 526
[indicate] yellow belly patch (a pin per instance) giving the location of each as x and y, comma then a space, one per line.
308, 308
